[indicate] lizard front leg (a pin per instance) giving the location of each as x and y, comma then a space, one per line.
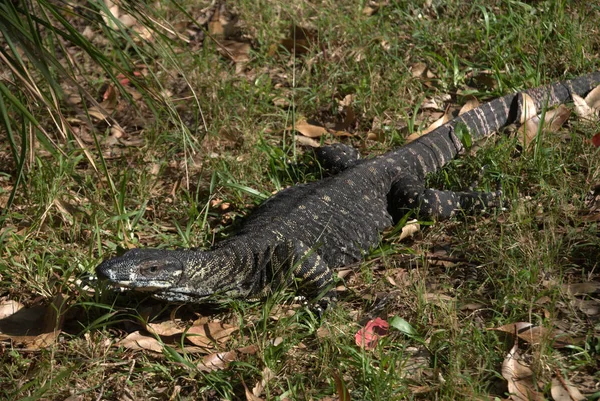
305, 266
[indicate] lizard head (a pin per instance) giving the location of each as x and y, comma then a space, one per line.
150, 270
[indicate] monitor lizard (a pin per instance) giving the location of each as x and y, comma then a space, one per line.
302, 233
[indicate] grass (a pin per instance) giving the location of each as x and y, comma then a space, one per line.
200, 135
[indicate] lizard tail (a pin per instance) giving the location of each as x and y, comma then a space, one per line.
435, 149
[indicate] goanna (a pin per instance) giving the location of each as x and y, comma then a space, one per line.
301, 233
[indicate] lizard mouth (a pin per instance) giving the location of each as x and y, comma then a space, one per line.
146, 287
128, 286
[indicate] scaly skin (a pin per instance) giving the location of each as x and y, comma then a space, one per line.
305, 231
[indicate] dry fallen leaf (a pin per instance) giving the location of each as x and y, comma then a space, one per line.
215, 27
8, 308
593, 98
310, 130
370, 8
217, 361
411, 228
482, 79
306, 141
239, 52
137, 341
562, 390
208, 334
421, 70
536, 334
341, 388
582, 109
249, 395
349, 119
267, 376
553, 120
298, 42
528, 109
588, 287
521, 385
104, 110
443, 120
127, 20
438, 298
378, 136
33, 328
164, 329
470, 105
590, 307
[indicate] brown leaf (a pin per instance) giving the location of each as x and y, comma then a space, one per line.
310, 130
527, 132
562, 390
165, 329
582, 109
127, 20
54, 317
536, 334
421, 70
378, 136
299, 46
483, 79
349, 119
344, 272
221, 22
519, 376
22, 322
529, 110
267, 376
217, 361
215, 28
8, 308
341, 388
107, 107
470, 105
34, 343
298, 42
433, 104
411, 228
555, 118
208, 334
234, 50
590, 307
593, 98
438, 298
34, 328
306, 141
588, 287
137, 341
445, 118
596, 140
370, 8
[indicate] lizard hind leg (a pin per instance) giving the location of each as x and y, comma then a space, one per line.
337, 157
408, 194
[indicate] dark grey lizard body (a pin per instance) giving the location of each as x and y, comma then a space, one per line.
306, 230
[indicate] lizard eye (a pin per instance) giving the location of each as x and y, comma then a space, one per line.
149, 270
